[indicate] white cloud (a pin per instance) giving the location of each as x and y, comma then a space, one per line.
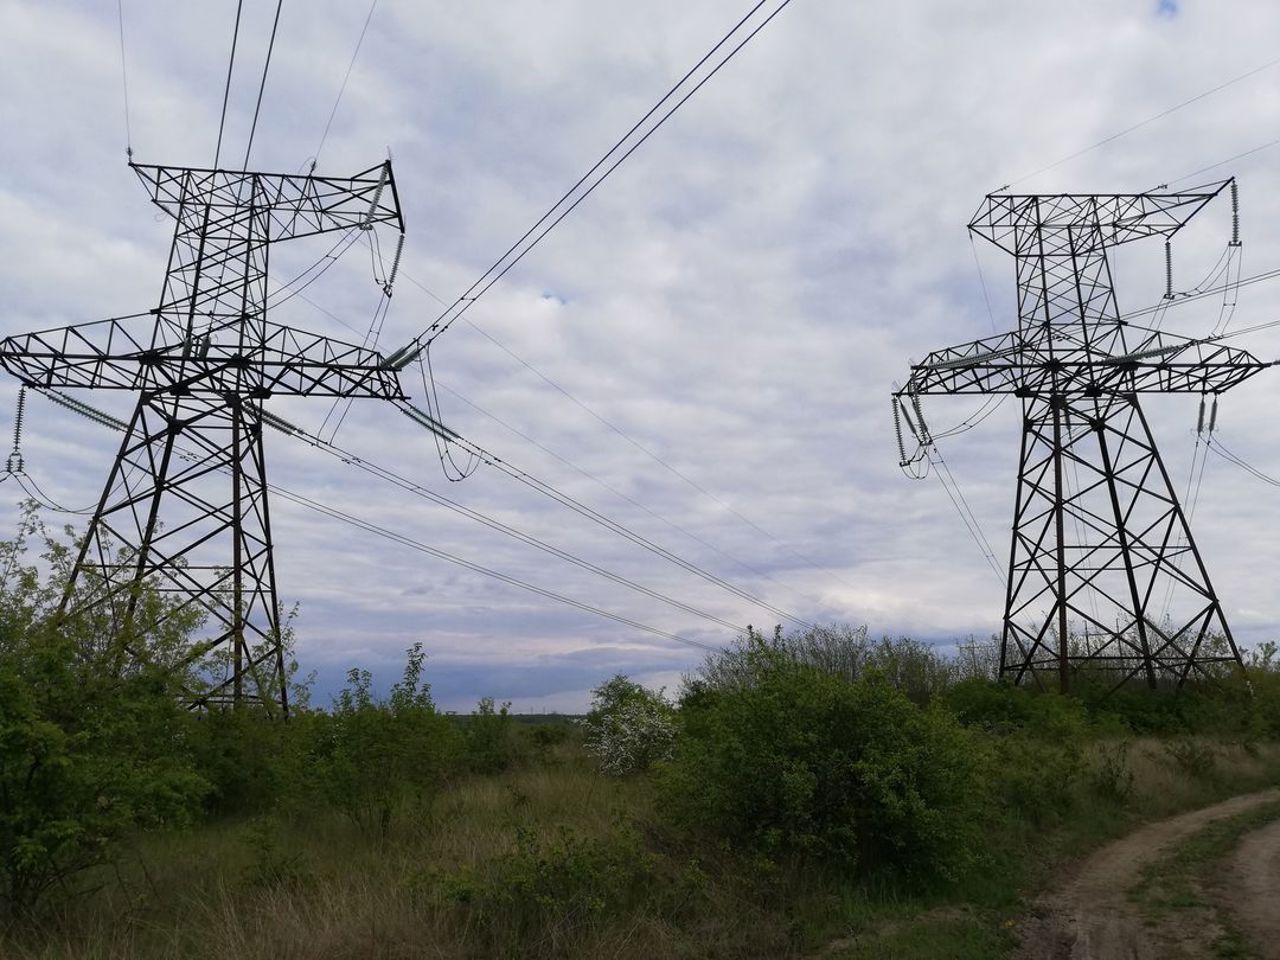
738, 298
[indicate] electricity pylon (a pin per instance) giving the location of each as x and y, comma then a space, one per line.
185, 504
1091, 564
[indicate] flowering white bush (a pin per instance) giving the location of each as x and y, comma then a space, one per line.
629, 728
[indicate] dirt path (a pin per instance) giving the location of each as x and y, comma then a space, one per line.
1251, 889
1090, 917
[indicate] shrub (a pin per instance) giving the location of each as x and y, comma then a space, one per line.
1004, 708
628, 728
374, 758
1192, 756
90, 748
842, 650
1111, 778
1033, 777
549, 891
797, 762
489, 738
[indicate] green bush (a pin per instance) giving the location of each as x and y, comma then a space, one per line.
376, 758
1033, 777
1111, 777
1003, 708
795, 762
845, 651
629, 728
489, 738
1193, 757
92, 744
550, 891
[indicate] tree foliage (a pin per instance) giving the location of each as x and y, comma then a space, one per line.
796, 762
629, 728
92, 743
375, 757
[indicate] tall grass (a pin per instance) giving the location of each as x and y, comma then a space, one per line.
218, 892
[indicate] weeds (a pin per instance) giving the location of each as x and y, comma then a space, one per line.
1111, 778
1192, 756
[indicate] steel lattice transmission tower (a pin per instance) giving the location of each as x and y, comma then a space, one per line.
1100, 546
185, 503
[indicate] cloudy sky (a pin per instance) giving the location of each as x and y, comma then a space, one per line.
703, 350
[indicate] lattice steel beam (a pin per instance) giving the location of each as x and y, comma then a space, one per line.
1103, 570
185, 504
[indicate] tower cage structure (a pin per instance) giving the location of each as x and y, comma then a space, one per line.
184, 512
1103, 574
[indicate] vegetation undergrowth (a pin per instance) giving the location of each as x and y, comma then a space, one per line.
852, 797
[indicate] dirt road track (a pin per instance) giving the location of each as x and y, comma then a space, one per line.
1090, 917
1251, 894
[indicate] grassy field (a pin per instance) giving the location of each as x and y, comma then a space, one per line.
555, 860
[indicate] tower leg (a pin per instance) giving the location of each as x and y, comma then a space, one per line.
149, 585
1111, 559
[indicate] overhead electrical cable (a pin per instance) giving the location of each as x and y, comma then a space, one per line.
1188, 298
610, 425
1222, 163
1151, 119
563, 460
107, 420
1217, 447
343, 89
421, 547
586, 185
982, 278
618, 493
226, 93
967, 516
418, 490
271, 45
526, 479
286, 291
124, 80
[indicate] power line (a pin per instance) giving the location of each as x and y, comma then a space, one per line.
1217, 447
1188, 298
1142, 123
418, 490
107, 420
534, 235
680, 475
557, 456
271, 45
1222, 163
615, 491
967, 516
124, 79
421, 547
546, 489
343, 89
226, 93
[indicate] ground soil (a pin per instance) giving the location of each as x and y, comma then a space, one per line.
1249, 890
1090, 917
